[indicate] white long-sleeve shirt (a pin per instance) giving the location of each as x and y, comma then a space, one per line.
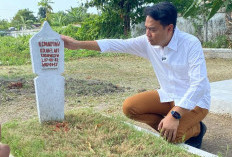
180, 67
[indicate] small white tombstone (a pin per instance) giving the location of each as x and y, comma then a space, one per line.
47, 56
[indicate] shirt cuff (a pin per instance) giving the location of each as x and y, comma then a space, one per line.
186, 104
103, 45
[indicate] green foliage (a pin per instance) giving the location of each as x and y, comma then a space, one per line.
89, 29
77, 14
46, 5
14, 51
211, 7
130, 11
96, 27
4, 24
3, 33
58, 19
23, 19
220, 42
42, 13
181, 5
73, 16
99, 26
112, 28
70, 30
217, 4
191, 11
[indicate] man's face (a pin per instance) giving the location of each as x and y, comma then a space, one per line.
156, 33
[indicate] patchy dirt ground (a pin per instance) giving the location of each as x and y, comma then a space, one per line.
19, 96
218, 137
91, 87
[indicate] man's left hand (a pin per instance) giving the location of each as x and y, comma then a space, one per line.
168, 128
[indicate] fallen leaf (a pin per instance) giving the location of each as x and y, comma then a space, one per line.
97, 126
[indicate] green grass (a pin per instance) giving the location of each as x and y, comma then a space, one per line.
122, 71
84, 133
14, 51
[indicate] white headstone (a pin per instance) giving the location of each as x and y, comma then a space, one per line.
47, 56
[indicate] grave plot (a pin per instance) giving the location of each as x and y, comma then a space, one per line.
84, 133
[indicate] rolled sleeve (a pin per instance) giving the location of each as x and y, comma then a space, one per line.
135, 46
104, 46
198, 78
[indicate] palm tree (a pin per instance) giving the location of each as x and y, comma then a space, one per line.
46, 4
58, 19
77, 15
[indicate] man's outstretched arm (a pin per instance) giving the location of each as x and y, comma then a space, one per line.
73, 44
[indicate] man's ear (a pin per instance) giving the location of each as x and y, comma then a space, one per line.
171, 28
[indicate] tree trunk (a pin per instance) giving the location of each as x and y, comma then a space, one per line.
229, 26
126, 21
205, 22
126, 18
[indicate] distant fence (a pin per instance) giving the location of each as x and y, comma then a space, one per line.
21, 33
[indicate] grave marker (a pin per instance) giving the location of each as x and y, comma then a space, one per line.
47, 56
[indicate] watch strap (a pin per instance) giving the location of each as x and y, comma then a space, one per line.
175, 114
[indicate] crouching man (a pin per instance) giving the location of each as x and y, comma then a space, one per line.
177, 109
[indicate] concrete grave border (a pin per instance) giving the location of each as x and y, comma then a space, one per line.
217, 53
221, 97
186, 147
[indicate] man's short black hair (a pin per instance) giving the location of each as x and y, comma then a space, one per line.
165, 12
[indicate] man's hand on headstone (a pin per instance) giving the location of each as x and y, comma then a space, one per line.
70, 43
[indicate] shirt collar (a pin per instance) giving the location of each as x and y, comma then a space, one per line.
173, 43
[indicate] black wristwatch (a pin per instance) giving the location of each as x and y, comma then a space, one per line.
176, 115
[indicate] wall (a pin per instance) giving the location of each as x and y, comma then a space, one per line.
216, 26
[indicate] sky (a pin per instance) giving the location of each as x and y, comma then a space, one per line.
8, 8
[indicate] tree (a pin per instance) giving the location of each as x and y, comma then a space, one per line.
45, 4
23, 19
42, 13
207, 9
77, 15
181, 5
4, 24
131, 11
97, 27
199, 11
58, 19
214, 6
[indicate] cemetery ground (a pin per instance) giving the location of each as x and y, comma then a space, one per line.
95, 87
